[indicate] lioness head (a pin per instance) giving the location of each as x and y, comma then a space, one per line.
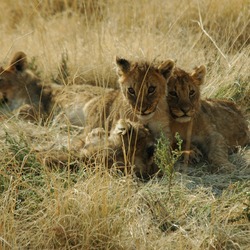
184, 93
144, 84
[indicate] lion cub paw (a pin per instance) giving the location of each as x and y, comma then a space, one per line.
122, 127
195, 155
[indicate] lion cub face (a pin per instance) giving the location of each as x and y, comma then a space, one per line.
144, 85
184, 93
15, 81
22, 93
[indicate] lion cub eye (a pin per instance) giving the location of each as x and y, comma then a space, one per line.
191, 93
131, 91
173, 93
151, 89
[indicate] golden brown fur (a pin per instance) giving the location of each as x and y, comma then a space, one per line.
218, 125
141, 98
21, 91
72, 102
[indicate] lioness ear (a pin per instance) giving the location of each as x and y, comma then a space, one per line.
19, 62
199, 74
166, 68
123, 66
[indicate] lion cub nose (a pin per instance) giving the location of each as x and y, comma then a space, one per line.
185, 109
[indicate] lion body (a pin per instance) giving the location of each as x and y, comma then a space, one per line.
128, 148
217, 126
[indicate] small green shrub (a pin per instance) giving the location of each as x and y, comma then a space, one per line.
166, 158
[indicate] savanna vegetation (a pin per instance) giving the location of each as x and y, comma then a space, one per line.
75, 42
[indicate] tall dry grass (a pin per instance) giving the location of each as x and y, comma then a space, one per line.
43, 208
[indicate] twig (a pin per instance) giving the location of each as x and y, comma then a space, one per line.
200, 23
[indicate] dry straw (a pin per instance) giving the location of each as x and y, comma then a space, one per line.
44, 208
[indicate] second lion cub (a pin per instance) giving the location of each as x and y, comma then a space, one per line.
217, 125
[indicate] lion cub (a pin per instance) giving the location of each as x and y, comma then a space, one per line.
141, 98
22, 92
217, 126
129, 147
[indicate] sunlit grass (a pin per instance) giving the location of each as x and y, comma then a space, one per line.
69, 42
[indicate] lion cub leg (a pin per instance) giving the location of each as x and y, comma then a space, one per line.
218, 153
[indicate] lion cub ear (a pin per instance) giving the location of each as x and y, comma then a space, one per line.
18, 62
123, 66
166, 68
199, 74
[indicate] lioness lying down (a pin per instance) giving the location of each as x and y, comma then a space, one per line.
23, 94
216, 126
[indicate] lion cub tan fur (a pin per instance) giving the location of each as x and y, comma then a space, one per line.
217, 125
141, 98
21, 91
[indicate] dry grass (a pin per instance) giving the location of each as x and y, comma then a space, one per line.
44, 208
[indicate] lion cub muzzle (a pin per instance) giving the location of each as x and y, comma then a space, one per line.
182, 114
146, 113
